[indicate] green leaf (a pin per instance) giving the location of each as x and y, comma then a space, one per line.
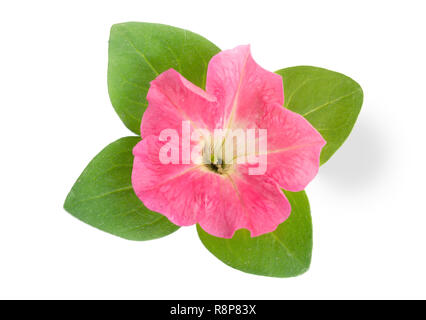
330, 101
286, 252
104, 198
139, 52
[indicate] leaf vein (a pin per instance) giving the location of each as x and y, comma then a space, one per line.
330, 102
106, 194
140, 53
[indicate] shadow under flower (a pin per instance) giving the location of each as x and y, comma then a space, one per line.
361, 161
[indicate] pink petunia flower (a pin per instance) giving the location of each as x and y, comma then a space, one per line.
223, 196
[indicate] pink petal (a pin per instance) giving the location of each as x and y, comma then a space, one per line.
148, 171
173, 99
294, 146
241, 85
255, 203
157, 184
253, 98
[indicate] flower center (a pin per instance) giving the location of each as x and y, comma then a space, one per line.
214, 159
219, 167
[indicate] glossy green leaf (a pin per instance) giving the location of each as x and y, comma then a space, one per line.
139, 52
286, 252
104, 198
330, 101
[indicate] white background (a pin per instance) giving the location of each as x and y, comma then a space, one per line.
367, 201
